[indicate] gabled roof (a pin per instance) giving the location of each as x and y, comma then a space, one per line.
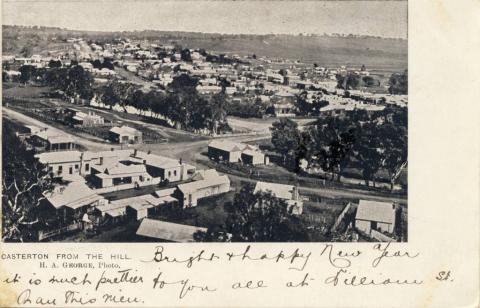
73, 195
155, 160
125, 130
227, 146
168, 231
281, 191
376, 211
119, 169
164, 192
252, 153
196, 185
58, 157
53, 137
205, 174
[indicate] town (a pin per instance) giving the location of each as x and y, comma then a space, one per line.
121, 138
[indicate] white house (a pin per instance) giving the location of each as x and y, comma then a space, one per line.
379, 216
125, 134
289, 193
206, 183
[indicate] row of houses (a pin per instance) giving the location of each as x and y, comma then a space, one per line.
107, 169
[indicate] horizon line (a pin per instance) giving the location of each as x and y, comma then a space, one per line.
221, 33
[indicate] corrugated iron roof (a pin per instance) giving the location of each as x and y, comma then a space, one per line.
167, 231
376, 211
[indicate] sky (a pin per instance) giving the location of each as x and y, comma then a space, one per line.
378, 18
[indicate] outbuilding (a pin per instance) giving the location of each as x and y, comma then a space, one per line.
374, 215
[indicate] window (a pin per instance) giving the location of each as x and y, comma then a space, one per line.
169, 173
141, 178
87, 167
174, 172
50, 168
76, 167
60, 170
70, 170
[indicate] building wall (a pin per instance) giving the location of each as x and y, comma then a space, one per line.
218, 154
66, 168
114, 137
202, 193
365, 226
253, 160
296, 206
173, 174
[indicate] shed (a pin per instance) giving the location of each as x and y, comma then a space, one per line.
380, 216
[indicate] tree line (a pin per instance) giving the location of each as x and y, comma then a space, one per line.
364, 141
180, 105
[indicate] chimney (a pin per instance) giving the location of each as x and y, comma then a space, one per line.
81, 163
295, 193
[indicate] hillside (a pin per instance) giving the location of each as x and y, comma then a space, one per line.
376, 53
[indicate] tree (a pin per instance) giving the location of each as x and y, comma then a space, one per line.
349, 81
369, 152
183, 83
55, 64
119, 93
78, 82
24, 183
332, 140
398, 83
394, 141
257, 217
287, 140
185, 55
97, 64
27, 72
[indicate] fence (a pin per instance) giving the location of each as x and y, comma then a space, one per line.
380, 236
291, 179
341, 216
42, 235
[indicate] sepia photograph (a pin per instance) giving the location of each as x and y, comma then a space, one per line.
209, 121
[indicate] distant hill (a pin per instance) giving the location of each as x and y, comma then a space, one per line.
376, 53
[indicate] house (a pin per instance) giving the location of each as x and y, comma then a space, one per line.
165, 168
150, 204
289, 193
136, 208
48, 140
60, 164
110, 169
251, 157
233, 152
79, 118
206, 183
223, 150
106, 175
374, 215
125, 134
284, 110
72, 201
158, 230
